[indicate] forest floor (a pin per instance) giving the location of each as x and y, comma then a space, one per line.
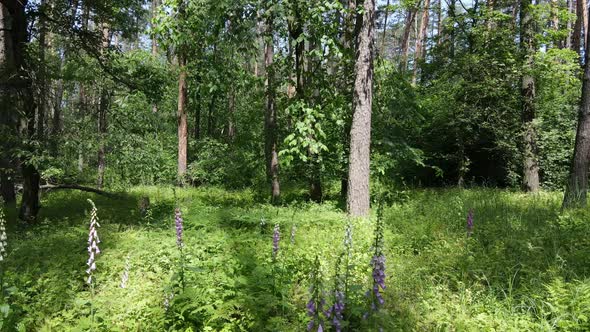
524, 268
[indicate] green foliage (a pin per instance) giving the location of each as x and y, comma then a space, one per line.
519, 271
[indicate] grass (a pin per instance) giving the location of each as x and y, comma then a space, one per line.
525, 268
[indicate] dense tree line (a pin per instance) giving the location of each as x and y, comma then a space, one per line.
276, 93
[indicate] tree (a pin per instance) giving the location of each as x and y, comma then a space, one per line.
527, 39
182, 101
577, 186
103, 107
421, 39
270, 118
8, 74
358, 200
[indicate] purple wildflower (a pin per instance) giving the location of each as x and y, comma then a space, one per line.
378, 263
178, 221
93, 242
276, 237
336, 311
470, 222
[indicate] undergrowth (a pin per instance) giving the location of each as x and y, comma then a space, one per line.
523, 267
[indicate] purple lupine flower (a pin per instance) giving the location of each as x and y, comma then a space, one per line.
93, 242
276, 238
125, 276
336, 311
178, 223
378, 263
470, 222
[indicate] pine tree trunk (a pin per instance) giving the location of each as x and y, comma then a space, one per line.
358, 200
182, 118
577, 186
421, 40
270, 118
530, 166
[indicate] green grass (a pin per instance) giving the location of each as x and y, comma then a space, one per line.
526, 266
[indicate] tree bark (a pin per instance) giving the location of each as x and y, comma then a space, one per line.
577, 186
231, 110
358, 200
568, 40
182, 118
531, 165
420, 41
410, 16
155, 5
579, 26
8, 133
384, 30
270, 118
42, 75
103, 107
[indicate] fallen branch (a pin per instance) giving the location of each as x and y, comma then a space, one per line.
49, 187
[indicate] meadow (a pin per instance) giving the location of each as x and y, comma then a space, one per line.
522, 266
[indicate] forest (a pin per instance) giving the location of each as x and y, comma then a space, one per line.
294, 165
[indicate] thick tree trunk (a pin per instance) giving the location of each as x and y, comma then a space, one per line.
7, 101
182, 118
577, 186
421, 39
349, 37
530, 166
19, 86
270, 118
358, 200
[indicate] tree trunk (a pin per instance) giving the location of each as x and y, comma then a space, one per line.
270, 118
182, 118
42, 76
197, 131
358, 200
231, 110
155, 5
382, 50
530, 166
8, 133
19, 87
421, 39
103, 107
410, 16
568, 40
578, 27
348, 82
577, 186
